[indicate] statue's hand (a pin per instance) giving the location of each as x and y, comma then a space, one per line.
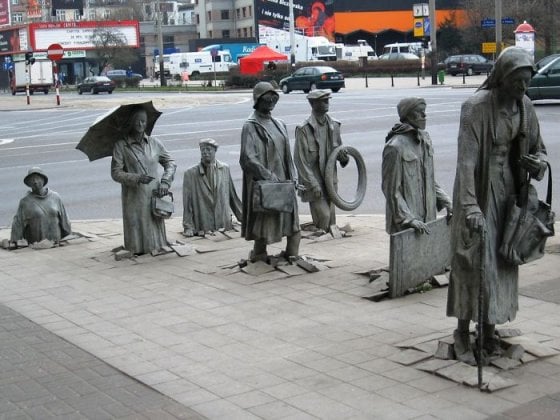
475, 222
449, 215
162, 190
419, 227
532, 164
343, 158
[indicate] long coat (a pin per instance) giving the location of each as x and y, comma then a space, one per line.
477, 190
143, 232
311, 154
207, 207
263, 156
40, 217
408, 181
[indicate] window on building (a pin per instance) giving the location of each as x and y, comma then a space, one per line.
238, 13
250, 11
224, 14
60, 15
168, 41
77, 14
251, 31
91, 14
238, 33
106, 14
198, 19
17, 17
14, 2
209, 34
225, 33
244, 10
244, 32
209, 15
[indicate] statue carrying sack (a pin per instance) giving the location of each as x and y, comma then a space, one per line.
162, 207
528, 226
269, 196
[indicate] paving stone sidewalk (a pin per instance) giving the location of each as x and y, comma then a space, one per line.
228, 345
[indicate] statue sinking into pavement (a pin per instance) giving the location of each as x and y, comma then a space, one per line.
41, 213
209, 194
499, 147
316, 138
269, 202
413, 197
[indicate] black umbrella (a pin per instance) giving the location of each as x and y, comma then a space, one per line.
100, 137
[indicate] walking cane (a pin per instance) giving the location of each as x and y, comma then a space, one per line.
480, 303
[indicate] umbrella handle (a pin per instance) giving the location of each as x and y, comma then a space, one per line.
480, 304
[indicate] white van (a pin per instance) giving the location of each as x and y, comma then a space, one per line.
196, 63
402, 51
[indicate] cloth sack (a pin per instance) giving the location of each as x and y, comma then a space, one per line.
528, 226
269, 196
162, 207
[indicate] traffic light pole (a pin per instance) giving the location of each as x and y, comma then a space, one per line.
27, 77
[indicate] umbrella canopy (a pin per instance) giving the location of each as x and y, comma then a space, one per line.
254, 62
100, 137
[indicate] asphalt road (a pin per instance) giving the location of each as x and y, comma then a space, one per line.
47, 137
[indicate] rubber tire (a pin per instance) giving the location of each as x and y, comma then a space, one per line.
313, 86
80, 91
109, 92
285, 88
335, 89
469, 71
362, 179
95, 91
46, 91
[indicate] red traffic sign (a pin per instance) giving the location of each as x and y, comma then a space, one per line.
55, 52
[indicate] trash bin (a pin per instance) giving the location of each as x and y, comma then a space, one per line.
441, 76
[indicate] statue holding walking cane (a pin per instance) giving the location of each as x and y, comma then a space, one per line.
500, 148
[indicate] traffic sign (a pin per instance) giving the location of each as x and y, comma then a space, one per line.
488, 23
508, 21
55, 52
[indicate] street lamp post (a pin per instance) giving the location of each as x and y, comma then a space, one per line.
292, 33
162, 80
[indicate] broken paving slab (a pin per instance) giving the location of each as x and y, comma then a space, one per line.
257, 268
203, 249
411, 342
433, 365
508, 332
445, 351
291, 269
530, 346
184, 250
505, 363
440, 280
409, 357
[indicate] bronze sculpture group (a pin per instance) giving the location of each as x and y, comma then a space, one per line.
499, 149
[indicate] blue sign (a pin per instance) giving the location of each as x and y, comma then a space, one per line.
8, 65
426, 26
488, 23
508, 21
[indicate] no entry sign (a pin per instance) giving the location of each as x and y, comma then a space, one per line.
55, 52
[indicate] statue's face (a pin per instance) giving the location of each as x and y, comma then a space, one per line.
320, 106
36, 182
516, 84
417, 117
207, 154
139, 122
267, 102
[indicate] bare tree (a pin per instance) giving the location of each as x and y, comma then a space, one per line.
111, 48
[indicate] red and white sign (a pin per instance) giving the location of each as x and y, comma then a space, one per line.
55, 52
81, 35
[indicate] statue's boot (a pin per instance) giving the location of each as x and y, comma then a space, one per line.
462, 347
491, 342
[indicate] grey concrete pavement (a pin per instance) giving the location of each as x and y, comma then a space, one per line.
225, 344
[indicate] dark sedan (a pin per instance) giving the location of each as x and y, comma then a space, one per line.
545, 84
96, 84
468, 64
313, 77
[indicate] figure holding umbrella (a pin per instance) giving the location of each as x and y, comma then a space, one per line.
136, 157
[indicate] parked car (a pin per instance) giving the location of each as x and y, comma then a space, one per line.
313, 77
545, 60
545, 84
399, 56
96, 84
122, 79
468, 64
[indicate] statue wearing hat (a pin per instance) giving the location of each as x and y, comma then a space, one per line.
412, 193
209, 194
41, 213
265, 156
316, 138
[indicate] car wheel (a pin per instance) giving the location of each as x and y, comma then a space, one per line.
335, 89
285, 88
80, 91
95, 91
469, 71
305, 90
313, 86
109, 92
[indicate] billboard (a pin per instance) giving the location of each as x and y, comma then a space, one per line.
4, 12
388, 5
311, 17
9, 41
80, 35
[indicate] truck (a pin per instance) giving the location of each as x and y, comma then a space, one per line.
166, 72
40, 76
199, 62
355, 52
403, 51
307, 48
237, 50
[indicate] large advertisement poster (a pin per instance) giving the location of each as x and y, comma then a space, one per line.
9, 41
311, 17
4, 12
